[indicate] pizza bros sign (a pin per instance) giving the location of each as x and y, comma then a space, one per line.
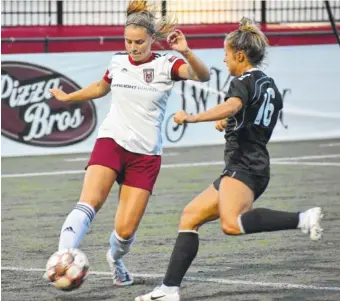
32, 116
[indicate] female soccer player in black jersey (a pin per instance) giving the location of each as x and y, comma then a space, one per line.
251, 107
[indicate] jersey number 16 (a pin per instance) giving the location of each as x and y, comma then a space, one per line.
266, 110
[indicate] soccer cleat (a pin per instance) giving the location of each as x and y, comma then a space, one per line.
45, 277
159, 295
89, 230
120, 275
311, 223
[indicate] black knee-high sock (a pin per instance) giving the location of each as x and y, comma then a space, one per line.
266, 220
184, 252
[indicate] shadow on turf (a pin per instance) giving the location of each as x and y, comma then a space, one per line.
99, 291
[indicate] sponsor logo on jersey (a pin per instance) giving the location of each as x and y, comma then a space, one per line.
30, 115
148, 75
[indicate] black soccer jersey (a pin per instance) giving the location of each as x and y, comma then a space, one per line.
248, 132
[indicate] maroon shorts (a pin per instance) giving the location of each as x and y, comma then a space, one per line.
136, 170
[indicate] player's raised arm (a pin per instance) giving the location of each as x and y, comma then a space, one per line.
195, 69
95, 90
221, 111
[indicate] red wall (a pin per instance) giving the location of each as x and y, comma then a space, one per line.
94, 31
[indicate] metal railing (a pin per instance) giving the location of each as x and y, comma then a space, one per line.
112, 12
48, 41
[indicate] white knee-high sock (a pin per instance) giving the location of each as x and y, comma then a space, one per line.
120, 246
75, 226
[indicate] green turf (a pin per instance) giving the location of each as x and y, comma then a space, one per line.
34, 208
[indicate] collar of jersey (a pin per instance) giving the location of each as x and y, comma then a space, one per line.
251, 70
151, 58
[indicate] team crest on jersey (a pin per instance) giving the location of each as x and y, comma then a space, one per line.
172, 59
148, 75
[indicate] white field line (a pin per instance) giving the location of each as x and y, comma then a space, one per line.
280, 285
329, 145
77, 159
275, 161
69, 172
307, 157
40, 174
307, 163
80, 159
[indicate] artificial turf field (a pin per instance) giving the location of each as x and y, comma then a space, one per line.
38, 192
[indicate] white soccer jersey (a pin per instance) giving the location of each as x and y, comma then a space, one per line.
139, 96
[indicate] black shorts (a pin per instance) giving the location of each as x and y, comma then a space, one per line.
257, 184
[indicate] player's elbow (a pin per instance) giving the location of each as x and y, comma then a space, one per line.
236, 109
234, 105
205, 77
102, 88
228, 109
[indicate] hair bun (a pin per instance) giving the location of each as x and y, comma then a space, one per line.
248, 25
137, 6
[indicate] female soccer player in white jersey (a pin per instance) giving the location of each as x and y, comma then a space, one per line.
129, 145
252, 106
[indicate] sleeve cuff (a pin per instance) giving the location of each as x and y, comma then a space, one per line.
106, 77
175, 69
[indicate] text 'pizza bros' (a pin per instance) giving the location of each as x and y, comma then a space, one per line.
33, 101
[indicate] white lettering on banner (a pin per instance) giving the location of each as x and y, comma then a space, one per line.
42, 121
202, 96
311, 104
37, 112
26, 94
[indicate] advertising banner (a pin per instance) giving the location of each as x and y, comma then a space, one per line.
34, 123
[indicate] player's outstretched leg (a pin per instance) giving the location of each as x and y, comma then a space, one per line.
237, 216
253, 221
266, 220
232, 223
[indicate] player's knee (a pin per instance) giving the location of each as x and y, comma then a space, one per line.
189, 219
124, 231
95, 201
230, 227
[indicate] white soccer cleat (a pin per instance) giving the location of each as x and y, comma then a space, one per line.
159, 295
89, 230
45, 277
120, 275
311, 223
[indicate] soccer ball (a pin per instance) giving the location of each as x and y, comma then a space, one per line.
67, 269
